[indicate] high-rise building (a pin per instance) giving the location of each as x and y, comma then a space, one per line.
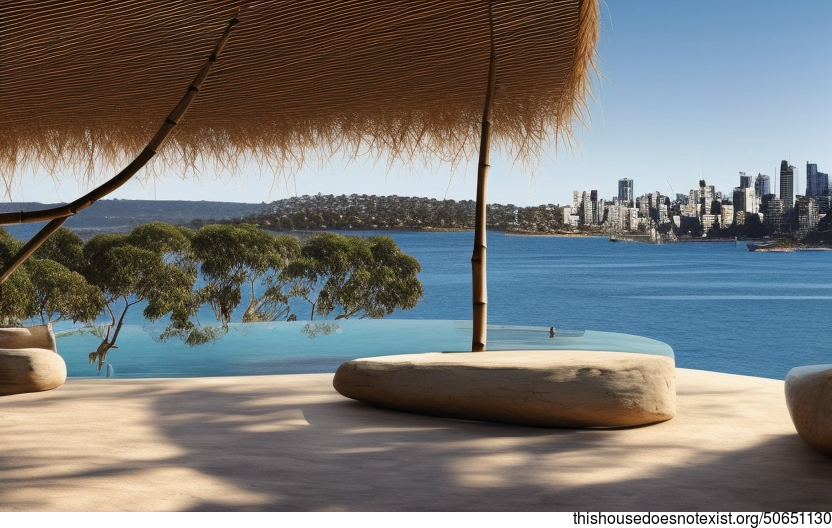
586, 208
775, 211
643, 205
787, 185
812, 179
593, 197
745, 200
762, 185
727, 215
617, 216
746, 181
571, 217
739, 199
632, 219
752, 201
707, 194
817, 183
807, 215
625, 191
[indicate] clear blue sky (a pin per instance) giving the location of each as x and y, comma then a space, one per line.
710, 87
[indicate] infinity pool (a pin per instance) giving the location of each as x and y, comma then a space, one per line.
304, 347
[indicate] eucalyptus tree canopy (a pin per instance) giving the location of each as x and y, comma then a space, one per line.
64, 247
354, 276
49, 287
16, 301
388, 284
128, 275
61, 294
171, 242
234, 257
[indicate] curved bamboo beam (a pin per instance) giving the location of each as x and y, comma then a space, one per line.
480, 315
57, 215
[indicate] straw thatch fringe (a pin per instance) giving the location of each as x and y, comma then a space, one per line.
301, 80
57, 215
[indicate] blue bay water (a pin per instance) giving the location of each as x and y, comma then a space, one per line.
719, 306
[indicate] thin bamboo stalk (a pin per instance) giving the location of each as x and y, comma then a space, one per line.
30, 247
58, 215
478, 262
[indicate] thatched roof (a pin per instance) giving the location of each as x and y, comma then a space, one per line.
91, 80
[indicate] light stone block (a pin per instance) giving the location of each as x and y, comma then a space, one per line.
533, 387
29, 361
809, 399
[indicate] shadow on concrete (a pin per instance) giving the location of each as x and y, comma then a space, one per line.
283, 444
343, 455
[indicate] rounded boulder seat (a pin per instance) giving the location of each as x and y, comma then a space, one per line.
530, 387
809, 399
29, 361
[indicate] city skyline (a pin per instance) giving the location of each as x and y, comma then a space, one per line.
709, 207
687, 91
627, 187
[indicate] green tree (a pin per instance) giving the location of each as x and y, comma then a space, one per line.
61, 294
238, 257
354, 276
46, 287
16, 299
64, 247
172, 243
128, 275
60, 289
388, 283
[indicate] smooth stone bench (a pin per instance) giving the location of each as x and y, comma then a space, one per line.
550, 388
29, 361
809, 399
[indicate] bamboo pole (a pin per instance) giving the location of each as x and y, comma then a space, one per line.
31, 246
59, 214
478, 263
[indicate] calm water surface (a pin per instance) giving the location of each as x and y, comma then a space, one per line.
719, 306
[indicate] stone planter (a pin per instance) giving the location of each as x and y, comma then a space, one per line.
29, 361
809, 399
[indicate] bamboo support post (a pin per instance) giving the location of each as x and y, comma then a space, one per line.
57, 215
478, 263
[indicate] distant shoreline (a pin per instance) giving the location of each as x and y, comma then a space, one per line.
121, 216
791, 249
555, 235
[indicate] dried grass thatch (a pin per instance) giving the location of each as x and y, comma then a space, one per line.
86, 83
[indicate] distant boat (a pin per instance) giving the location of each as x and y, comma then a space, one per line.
613, 238
754, 246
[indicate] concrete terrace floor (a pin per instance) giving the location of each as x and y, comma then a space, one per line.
290, 442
